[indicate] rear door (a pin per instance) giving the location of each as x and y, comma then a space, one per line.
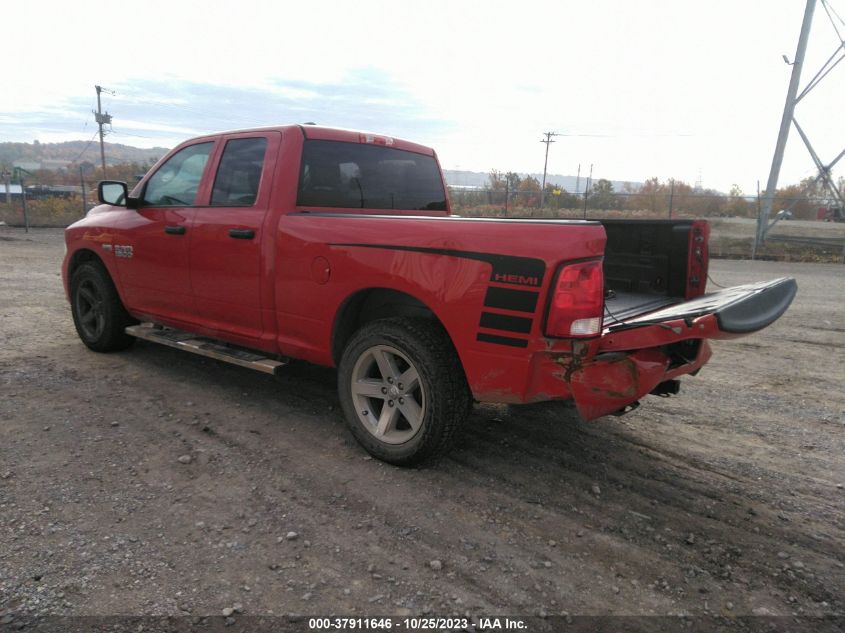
226, 239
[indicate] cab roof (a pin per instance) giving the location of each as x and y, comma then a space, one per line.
319, 132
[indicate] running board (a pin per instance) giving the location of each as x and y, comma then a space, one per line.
205, 347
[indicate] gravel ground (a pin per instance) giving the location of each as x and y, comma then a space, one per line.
159, 483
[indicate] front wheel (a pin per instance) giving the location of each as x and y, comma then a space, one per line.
98, 313
403, 390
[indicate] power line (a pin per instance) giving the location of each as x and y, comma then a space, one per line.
86, 147
119, 133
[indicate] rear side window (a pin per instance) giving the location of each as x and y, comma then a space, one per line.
353, 175
177, 182
239, 173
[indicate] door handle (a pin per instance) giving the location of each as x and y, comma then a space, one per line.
242, 234
174, 230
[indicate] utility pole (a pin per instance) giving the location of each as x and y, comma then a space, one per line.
759, 211
824, 175
102, 119
548, 140
671, 198
7, 178
21, 171
23, 202
507, 193
587, 190
577, 185
82, 182
786, 121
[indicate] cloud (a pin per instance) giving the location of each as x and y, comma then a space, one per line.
154, 112
479, 81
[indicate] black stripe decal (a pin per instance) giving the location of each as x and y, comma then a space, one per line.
506, 322
506, 269
501, 340
507, 299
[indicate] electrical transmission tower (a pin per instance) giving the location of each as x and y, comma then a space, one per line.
793, 97
547, 140
102, 118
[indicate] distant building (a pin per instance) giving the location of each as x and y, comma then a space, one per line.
28, 165
53, 191
51, 164
41, 191
55, 164
14, 190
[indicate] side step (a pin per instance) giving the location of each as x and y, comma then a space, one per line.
205, 347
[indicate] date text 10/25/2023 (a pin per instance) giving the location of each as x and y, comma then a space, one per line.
415, 624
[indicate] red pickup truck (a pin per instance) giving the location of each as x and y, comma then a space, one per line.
338, 247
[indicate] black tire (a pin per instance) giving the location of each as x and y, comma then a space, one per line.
98, 313
440, 398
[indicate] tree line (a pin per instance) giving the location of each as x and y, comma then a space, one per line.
655, 196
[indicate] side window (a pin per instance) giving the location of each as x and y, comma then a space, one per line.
239, 173
177, 181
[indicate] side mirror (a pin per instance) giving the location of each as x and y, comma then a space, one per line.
112, 192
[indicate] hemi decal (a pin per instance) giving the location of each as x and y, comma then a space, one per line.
501, 340
507, 269
507, 299
520, 325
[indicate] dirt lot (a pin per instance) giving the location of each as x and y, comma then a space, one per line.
727, 499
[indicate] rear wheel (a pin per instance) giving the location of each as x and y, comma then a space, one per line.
98, 313
403, 390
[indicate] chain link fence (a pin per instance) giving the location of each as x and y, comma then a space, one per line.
732, 217
663, 204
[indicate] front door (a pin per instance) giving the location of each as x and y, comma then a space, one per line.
226, 238
152, 247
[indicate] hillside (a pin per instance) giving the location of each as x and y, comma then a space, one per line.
75, 151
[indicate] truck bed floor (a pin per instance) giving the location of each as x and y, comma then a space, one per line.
626, 305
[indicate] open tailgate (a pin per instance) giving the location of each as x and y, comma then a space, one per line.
727, 313
633, 358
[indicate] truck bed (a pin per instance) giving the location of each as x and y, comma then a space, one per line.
646, 266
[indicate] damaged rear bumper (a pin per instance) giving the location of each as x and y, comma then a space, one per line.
632, 358
614, 380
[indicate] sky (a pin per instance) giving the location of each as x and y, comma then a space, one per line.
640, 88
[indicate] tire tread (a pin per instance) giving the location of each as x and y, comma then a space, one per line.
114, 337
447, 378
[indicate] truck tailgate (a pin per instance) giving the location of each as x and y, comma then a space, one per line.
636, 355
736, 311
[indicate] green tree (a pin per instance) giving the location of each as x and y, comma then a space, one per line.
529, 192
651, 196
497, 180
737, 204
602, 195
558, 197
513, 180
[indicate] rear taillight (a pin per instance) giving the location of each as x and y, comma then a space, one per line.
698, 259
577, 301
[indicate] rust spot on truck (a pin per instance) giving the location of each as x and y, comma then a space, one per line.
571, 361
